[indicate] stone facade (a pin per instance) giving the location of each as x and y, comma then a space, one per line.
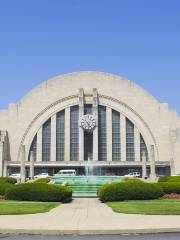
159, 125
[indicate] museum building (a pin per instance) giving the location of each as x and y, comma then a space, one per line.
90, 116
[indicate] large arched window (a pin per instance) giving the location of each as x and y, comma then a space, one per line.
60, 141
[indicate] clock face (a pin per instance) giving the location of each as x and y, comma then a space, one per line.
88, 122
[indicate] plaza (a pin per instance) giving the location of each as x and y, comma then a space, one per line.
131, 130
87, 216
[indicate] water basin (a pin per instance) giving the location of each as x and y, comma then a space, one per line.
86, 185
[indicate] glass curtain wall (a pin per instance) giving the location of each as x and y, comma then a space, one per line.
33, 148
46, 141
116, 136
60, 133
143, 148
74, 133
130, 155
102, 141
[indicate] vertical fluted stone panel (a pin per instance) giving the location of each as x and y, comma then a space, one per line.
39, 145
81, 131
23, 170
152, 162
137, 144
1, 158
144, 165
123, 136
95, 132
53, 138
109, 133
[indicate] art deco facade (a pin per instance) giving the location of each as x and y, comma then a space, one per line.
131, 128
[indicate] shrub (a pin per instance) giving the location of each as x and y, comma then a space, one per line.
133, 180
169, 179
38, 192
4, 187
7, 180
42, 180
129, 191
169, 187
171, 196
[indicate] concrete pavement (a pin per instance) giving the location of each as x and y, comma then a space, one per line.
87, 216
160, 236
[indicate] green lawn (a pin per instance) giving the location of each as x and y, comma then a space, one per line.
16, 207
147, 207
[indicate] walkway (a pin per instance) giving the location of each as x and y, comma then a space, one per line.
87, 216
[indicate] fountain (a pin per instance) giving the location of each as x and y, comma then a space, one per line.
87, 185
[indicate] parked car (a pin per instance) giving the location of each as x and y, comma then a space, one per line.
41, 175
15, 175
66, 172
133, 175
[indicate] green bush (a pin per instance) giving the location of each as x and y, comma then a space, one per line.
4, 187
133, 180
169, 179
129, 191
169, 187
42, 180
7, 180
38, 192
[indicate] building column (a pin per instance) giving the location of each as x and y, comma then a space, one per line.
173, 138
109, 133
95, 132
137, 144
152, 162
172, 167
39, 145
81, 131
144, 167
31, 167
5, 169
123, 137
53, 138
1, 158
67, 134
23, 168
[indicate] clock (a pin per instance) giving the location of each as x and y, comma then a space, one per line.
88, 122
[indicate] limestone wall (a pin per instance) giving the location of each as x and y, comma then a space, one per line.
18, 118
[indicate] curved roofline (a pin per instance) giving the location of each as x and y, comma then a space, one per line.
79, 72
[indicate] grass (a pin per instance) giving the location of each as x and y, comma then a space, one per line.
18, 207
147, 207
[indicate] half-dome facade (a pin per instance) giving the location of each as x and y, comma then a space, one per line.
90, 116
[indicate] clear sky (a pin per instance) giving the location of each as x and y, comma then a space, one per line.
136, 39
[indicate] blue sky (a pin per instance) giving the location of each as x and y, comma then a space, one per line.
136, 39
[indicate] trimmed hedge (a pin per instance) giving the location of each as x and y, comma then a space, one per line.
38, 192
7, 180
133, 180
4, 187
169, 187
129, 191
169, 179
42, 180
